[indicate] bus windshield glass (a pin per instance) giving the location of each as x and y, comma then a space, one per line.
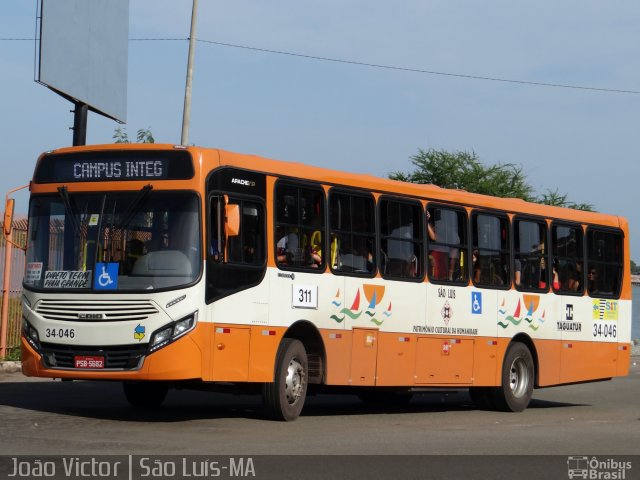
113, 241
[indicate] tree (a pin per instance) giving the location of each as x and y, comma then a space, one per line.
144, 135
635, 269
464, 170
557, 199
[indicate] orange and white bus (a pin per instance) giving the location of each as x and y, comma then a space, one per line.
172, 267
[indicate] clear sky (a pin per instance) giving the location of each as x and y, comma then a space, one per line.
364, 119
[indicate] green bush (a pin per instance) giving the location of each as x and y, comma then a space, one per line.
13, 354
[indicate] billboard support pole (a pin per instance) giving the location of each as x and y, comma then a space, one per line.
80, 123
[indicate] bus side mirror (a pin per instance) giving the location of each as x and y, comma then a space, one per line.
232, 222
8, 216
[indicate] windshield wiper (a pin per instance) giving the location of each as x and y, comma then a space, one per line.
133, 208
64, 194
128, 215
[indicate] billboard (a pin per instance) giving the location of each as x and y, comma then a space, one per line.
83, 53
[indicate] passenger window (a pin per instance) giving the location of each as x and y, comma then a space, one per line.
490, 253
529, 269
300, 227
447, 234
604, 263
567, 272
401, 239
352, 233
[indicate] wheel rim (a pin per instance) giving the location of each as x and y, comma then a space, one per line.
295, 381
519, 377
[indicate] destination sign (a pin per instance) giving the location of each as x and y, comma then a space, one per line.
115, 170
114, 166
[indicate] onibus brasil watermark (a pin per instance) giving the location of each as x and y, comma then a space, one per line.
597, 468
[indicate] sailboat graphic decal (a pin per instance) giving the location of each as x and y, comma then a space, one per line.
373, 295
531, 304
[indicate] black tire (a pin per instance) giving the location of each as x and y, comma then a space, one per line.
481, 397
518, 377
145, 394
284, 398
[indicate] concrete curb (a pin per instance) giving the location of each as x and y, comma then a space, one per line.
10, 367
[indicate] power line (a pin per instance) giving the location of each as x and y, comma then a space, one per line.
417, 70
377, 65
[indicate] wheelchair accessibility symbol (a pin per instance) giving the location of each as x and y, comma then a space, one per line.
476, 303
106, 277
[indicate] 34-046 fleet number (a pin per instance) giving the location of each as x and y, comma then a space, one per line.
60, 333
604, 330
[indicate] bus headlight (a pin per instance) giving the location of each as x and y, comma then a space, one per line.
173, 331
184, 325
30, 334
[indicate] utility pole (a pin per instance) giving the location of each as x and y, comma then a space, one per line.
186, 113
6, 282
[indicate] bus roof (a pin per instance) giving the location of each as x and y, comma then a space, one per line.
206, 159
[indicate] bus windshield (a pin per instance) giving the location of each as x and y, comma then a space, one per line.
113, 241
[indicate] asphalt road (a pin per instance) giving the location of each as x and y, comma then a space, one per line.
70, 418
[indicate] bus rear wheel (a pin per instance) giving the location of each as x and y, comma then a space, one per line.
145, 394
518, 375
284, 398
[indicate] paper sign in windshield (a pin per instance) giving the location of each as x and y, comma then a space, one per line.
33, 273
67, 279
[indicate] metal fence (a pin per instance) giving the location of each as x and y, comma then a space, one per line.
15, 283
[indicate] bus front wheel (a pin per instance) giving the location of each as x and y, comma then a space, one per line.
145, 394
284, 398
518, 376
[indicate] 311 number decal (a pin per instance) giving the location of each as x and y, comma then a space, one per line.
305, 296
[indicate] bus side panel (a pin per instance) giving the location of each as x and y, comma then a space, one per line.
587, 361
263, 349
396, 359
485, 359
604, 359
549, 352
444, 361
231, 353
337, 344
364, 352
624, 359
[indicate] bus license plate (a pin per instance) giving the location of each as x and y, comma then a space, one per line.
88, 362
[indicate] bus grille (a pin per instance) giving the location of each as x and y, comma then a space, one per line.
121, 357
96, 310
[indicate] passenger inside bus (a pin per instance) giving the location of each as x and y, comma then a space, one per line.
555, 279
446, 264
592, 280
571, 276
288, 247
475, 261
316, 248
